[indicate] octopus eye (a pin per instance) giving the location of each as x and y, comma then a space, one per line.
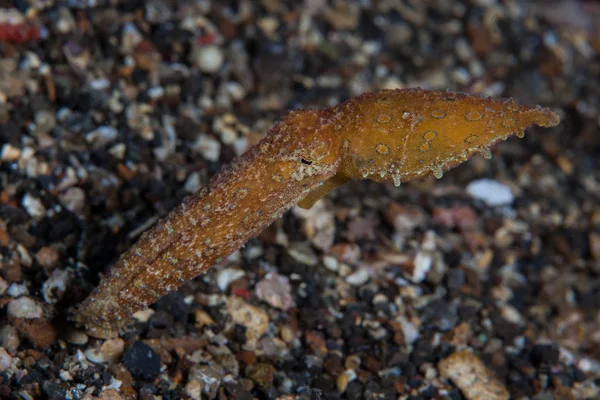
305, 161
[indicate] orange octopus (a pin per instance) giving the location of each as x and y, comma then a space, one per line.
388, 136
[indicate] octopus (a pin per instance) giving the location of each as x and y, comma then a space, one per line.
388, 136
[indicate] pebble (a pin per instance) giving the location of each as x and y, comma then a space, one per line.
472, 377
208, 147
344, 379
102, 136
192, 183
421, 266
319, 225
77, 337
409, 332
5, 360
492, 192
193, 389
47, 257
9, 153
33, 205
9, 338
227, 276
405, 218
255, 319
141, 361
55, 286
110, 351
210, 377
203, 319
25, 307
331, 263
303, 255
17, 290
275, 290
208, 58
359, 277
262, 374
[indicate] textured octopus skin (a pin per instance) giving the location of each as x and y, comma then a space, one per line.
387, 136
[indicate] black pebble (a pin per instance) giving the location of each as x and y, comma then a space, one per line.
141, 361
544, 354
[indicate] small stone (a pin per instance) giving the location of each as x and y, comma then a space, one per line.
208, 147
261, 373
110, 351
208, 58
76, 337
54, 287
275, 290
194, 389
203, 319
544, 354
253, 318
102, 136
227, 276
358, 278
421, 266
235, 90
47, 257
25, 307
331, 263
318, 226
344, 379
65, 22
9, 153
73, 200
352, 362
45, 121
472, 377
192, 183
39, 331
5, 360
33, 205
594, 239
3, 286
406, 332
492, 192
405, 217
9, 338
110, 394
303, 255
210, 377
511, 314
143, 316
142, 361
4, 238
287, 334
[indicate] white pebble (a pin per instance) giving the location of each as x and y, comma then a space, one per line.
17, 290
208, 58
331, 263
33, 206
422, 265
359, 277
492, 192
209, 147
25, 307
228, 276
